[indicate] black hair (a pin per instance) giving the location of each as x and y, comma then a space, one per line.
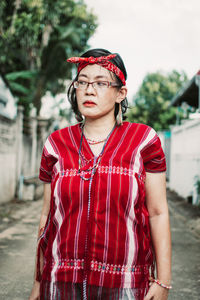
117, 60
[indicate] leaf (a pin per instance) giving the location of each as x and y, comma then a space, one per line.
65, 31
18, 88
21, 74
152, 99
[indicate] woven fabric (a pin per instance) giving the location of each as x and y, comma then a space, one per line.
98, 230
73, 291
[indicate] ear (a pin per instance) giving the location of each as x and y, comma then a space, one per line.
122, 93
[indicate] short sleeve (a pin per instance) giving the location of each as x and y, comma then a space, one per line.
153, 156
48, 159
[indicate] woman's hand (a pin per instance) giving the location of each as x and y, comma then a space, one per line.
156, 292
35, 293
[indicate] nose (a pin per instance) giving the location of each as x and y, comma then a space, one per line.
90, 88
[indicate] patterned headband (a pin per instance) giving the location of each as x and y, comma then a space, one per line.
102, 61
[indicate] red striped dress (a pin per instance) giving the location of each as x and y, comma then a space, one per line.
96, 242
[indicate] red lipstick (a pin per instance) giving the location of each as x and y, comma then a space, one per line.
89, 103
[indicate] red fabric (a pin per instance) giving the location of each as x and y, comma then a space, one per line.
113, 247
102, 61
91, 59
67, 290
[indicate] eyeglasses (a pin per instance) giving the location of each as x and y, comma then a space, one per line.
97, 85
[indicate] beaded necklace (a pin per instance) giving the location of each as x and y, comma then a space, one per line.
93, 142
96, 159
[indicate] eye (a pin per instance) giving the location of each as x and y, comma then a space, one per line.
102, 83
82, 82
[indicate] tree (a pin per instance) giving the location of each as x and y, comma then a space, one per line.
151, 103
36, 38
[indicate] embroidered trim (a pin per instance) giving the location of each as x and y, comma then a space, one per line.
78, 264
119, 170
115, 170
68, 263
101, 170
73, 172
69, 172
118, 269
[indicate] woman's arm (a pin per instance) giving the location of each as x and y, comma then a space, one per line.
45, 207
44, 214
160, 232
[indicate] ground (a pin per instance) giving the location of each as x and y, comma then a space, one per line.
18, 227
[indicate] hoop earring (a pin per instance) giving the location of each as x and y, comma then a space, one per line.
119, 119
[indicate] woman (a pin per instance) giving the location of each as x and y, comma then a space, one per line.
105, 217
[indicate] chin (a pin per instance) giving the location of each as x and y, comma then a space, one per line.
90, 114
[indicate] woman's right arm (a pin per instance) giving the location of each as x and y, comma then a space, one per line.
44, 214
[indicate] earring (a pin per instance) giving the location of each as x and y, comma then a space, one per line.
119, 119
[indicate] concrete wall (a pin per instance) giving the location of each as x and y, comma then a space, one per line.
165, 138
21, 143
8, 161
185, 157
8, 106
20, 154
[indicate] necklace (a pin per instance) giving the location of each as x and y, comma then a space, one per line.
96, 159
94, 142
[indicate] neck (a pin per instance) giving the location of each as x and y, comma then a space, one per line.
98, 128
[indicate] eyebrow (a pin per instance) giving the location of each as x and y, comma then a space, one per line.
96, 77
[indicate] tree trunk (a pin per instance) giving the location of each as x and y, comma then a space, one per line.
17, 6
46, 35
39, 93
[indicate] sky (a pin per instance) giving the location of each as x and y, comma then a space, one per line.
150, 35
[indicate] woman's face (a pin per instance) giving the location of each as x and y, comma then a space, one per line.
96, 103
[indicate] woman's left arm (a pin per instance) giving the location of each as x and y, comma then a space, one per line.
156, 201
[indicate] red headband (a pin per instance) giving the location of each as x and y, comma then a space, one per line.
102, 61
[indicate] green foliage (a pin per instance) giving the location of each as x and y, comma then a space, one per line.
150, 105
36, 38
20, 74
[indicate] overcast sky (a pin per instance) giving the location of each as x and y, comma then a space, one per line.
150, 35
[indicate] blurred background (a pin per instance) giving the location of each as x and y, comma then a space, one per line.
160, 45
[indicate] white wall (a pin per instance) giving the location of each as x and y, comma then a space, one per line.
10, 109
165, 138
7, 159
16, 153
185, 157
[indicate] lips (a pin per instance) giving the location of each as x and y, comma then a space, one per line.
89, 103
